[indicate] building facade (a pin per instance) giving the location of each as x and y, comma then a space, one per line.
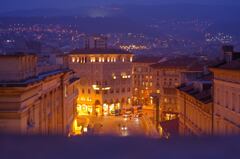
170, 74
106, 80
143, 80
36, 100
195, 108
227, 99
227, 93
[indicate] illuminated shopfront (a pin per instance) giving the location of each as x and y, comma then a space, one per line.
83, 109
111, 109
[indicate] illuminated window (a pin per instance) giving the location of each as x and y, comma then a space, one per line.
131, 59
129, 101
93, 59
99, 59
158, 91
123, 59
84, 60
103, 59
73, 59
78, 60
165, 100
114, 76
108, 59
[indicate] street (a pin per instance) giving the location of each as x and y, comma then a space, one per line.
119, 126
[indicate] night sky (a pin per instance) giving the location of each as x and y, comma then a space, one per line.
7, 5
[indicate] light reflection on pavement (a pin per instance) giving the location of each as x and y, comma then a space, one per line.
110, 125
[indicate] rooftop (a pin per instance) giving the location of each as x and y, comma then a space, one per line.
192, 64
147, 59
204, 95
99, 51
32, 80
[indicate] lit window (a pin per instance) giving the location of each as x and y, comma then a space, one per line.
114, 76
165, 100
123, 59
108, 59
103, 59
100, 59
93, 59
131, 59
73, 59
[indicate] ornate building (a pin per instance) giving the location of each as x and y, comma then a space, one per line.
106, 80
34, 99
